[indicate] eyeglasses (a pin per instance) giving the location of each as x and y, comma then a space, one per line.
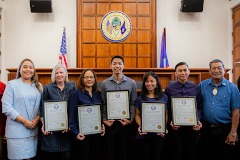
217, 68
88, 77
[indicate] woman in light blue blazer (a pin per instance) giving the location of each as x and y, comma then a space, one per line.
20, 103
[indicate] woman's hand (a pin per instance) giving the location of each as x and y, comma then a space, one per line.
66, 130
103, 130
28, 124
140, 132
45, 132
80, 137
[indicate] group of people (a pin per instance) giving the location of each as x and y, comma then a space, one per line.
217, 102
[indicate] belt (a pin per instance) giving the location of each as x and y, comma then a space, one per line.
214, 125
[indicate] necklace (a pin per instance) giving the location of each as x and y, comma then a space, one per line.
60, 95
215, 91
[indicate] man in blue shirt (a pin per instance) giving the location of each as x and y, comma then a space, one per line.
220, 113
118, 132
183, 138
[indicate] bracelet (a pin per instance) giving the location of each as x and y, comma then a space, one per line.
20, 120
233, 134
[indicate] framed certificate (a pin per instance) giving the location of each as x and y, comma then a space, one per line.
184, 111
55, 116
89, 119
117, 104
153, 117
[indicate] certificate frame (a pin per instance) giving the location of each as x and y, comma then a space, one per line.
98, 128
125, 112
160, 128
193, 120
47, 105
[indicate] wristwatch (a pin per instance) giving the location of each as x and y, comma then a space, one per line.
233, 134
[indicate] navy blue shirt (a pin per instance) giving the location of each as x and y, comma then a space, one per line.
218, 109
79, 98
187, 89
138, 105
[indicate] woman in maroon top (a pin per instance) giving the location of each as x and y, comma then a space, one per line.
2, 120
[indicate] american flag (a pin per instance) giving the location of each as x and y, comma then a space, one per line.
63, 51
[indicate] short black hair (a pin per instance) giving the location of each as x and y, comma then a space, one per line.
117, 56
158, 93
180, 64
215, 61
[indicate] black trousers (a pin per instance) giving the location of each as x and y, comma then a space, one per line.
183, 143
56, 155
87, 149
213, 138
118, 140
150, 148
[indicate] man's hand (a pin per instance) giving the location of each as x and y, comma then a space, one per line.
231, 139
124, 121
109, 123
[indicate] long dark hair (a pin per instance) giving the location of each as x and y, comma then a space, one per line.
158, 93
81, 85
34, 77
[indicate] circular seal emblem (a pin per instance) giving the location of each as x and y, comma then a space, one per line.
153, 107
124, 112
190, 119
62, 124
159, 126
117, 95
116, 26
89, 110
184, 102
56, 106
96, 127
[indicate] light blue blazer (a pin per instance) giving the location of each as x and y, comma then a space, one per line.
14, 103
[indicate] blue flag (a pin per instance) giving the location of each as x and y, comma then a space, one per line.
163, 57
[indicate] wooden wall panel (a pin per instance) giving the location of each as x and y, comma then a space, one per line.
140, 44
89, 49
89, 8
130, 63
116, 49
143, 62
144, 36
102, 8
144, 22
144, 50
88, 35
88, 62
130, 50
144, 8
116, 7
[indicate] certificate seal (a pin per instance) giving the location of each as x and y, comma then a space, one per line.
124, 112
159, 126
62, 124
116, 26
89, 110
96, 127
117, 95
56, 106
153, 107
183, 102
190, 120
